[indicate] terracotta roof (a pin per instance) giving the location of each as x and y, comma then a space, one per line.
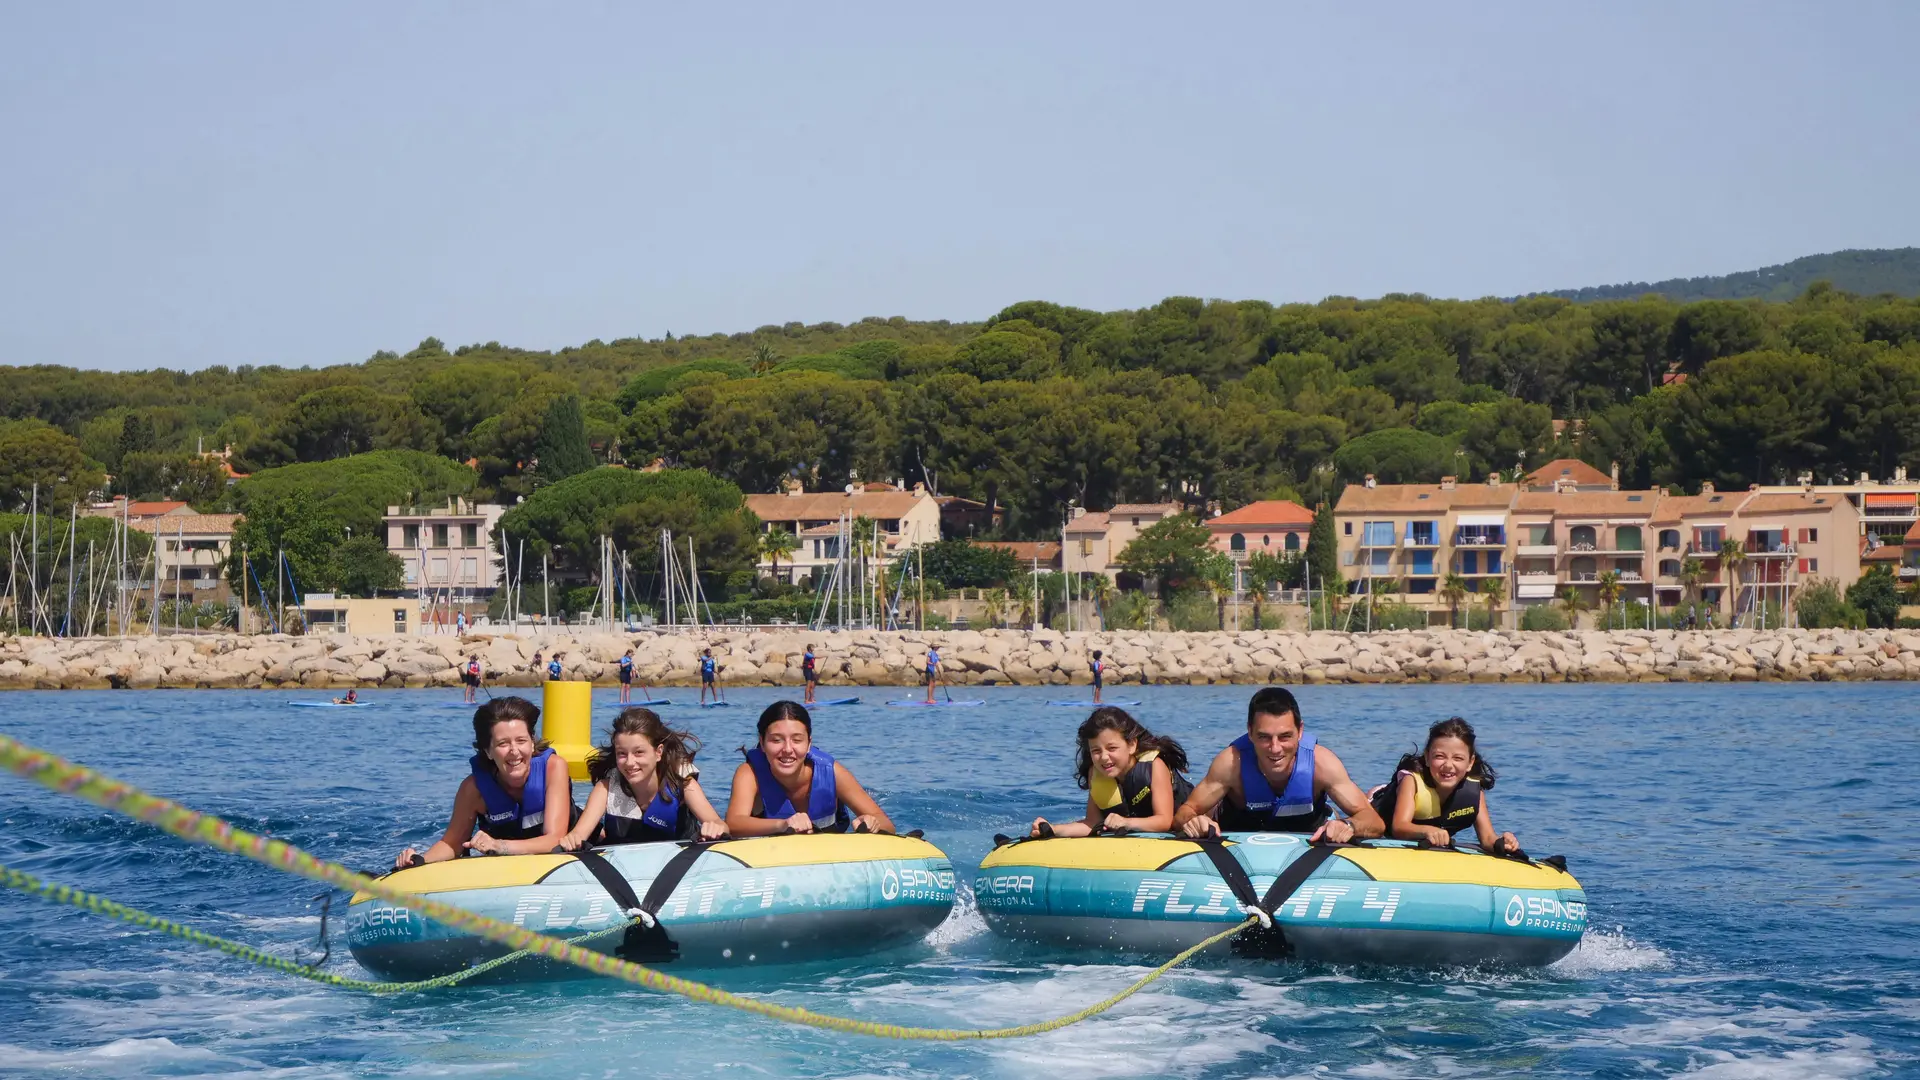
1675, 508
1567, 469
1025, 551
1778, 504
1913, 534
1168, 509
818, 505
1395, 498
1089, 523
156, 509
1884, 553
1484, 496
1606, 504
1276, 512
187, 524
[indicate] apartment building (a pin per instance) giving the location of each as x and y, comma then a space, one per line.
1404, 539
1887, 509
447, 550
190, 552
906, 519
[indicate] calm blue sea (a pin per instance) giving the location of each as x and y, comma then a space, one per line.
1748, 854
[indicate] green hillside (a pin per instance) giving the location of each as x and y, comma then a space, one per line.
1865, 273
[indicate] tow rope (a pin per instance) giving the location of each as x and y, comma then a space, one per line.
57, 774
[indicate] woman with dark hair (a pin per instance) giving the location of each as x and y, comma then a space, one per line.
645, 787
1134, 779
787, 783
518, 798
1442, 791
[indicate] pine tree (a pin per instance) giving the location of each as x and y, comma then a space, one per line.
562, 449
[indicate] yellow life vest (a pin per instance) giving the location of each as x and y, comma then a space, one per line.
1134, 786
1457, 813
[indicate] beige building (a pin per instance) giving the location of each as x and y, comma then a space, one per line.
326, 613
190, 553
906, 519
1093, 540
447, 551
1404, 539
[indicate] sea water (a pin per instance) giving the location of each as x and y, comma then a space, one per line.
1748, 853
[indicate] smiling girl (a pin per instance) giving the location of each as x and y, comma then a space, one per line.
1134, 778
518, 799
1442, 791
789, 783
645, 787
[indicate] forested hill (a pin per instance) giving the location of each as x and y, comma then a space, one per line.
1868, 273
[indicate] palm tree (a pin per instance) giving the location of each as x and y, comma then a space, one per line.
1453, 589
1692, 573
764, 358
1610, 592
1732, 554
1495, 591
1100, 590
1571, 603
1216, 576
993, 604
1264, 571
777, 544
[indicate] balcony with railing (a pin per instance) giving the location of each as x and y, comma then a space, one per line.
1422, 534
1480, 536
1377, 534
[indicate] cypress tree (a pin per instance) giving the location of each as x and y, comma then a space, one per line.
1323, 555
562, 449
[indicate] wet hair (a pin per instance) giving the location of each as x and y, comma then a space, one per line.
676, 749
500, 710
1274, 701
1096, 654
785, 710
1122, 723
1454, 727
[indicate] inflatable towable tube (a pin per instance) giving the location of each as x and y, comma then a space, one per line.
762, 900
1376, 902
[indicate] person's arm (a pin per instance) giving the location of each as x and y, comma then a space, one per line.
1490, 840
711, 827
865, 810
1161, 820
740, 819
1193, 816
466, 807
589, 818
1083, 827
1330, 776
1403, 827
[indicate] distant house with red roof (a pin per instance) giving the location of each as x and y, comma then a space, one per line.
1275, 526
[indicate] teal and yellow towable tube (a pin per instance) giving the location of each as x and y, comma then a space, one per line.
763, 900
1378, 902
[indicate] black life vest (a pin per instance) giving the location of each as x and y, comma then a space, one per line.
1132, 794
1296, 809
1461, 810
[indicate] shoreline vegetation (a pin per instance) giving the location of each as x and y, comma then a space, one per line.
972, 658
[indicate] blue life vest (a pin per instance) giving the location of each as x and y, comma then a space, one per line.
933, 660
706, 668
1295, 810
626, 669
473, 668
823, 798
507, 818
806, 663
626, 822
553, 669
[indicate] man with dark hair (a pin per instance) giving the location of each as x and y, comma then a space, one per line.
1277, 778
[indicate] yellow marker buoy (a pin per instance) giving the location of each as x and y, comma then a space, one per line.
567, 711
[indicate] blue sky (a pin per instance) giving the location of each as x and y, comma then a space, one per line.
204, 183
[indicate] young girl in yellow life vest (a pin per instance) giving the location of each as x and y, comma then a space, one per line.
1134, 778
1442, 791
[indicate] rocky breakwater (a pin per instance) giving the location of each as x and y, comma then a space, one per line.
977, 658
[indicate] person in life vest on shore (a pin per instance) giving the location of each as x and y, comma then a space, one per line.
554, 667
789, 783
1134, 778
646, 787
1442, 791
517, 800
1277, 778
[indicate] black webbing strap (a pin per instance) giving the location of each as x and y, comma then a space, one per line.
617, 887
670, 876
1265, 941
646, 941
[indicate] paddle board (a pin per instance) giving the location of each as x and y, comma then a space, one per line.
328, 704
835, 701
936, 704
1088, 704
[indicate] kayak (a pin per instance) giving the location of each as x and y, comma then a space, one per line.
731, 903
1376, 902
329, 704
916, 704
